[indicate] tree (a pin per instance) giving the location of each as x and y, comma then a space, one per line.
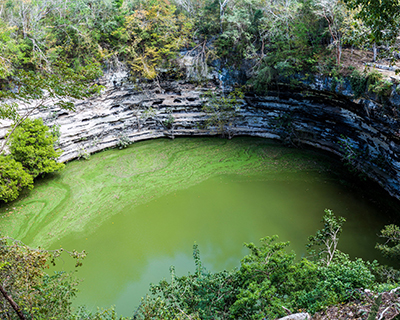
327, 239
13, 178
28, 91
391, 248
263, 273
32, 144
153, 35
10, 52
333, 12
35, 294
381, 16
269, 282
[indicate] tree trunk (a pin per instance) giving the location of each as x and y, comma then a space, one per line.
375, 49
12, 303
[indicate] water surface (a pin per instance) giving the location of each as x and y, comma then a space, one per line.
140, 210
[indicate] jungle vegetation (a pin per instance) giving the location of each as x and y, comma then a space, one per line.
52, 51
269, 282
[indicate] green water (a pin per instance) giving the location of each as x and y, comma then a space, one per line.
139, 210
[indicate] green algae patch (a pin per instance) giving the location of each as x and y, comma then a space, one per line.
87, 193
137, 211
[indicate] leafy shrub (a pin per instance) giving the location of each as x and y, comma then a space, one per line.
123, 141
262, 79
264, 273
335, 283
13, 178
268, 279
169, 122
373, 78
382, 88
38, 295
32, 144
391, 248
153, 36
358, 82
83, 153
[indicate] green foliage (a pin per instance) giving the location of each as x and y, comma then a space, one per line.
202, 295
103, 314
207, 20
59, 86
382, 88
391, 248
123, 141
386, 276
38, 295
37, 90
263, 79
327, 239
148, 35
32, 144
269, 278
335, 283
353, 155
83, 153
264, 273
222, 110
10, 52
336, 78
380, 16
13, 178
237, 41
153, 35
373, 77
169, 122
358, 82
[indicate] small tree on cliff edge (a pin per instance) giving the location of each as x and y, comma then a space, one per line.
327, 239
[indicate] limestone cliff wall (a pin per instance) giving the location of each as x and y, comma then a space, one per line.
322, 119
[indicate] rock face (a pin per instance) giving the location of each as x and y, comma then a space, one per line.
297, 316
323, 119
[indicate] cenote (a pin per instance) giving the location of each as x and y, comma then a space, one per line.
139, 210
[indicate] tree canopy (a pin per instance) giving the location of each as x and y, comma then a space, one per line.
147, 35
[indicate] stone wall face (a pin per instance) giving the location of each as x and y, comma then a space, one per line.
317, 118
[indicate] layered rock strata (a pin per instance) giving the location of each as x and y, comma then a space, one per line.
356, 132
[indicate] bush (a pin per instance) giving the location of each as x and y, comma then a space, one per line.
335, 283
32, 144
269, 278
13, 178
358, 82
23, 277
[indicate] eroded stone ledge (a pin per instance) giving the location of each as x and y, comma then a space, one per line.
321, 119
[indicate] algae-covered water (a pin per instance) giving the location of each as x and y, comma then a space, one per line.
139, 210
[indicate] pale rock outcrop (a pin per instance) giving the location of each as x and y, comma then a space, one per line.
325, 120
297, 316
